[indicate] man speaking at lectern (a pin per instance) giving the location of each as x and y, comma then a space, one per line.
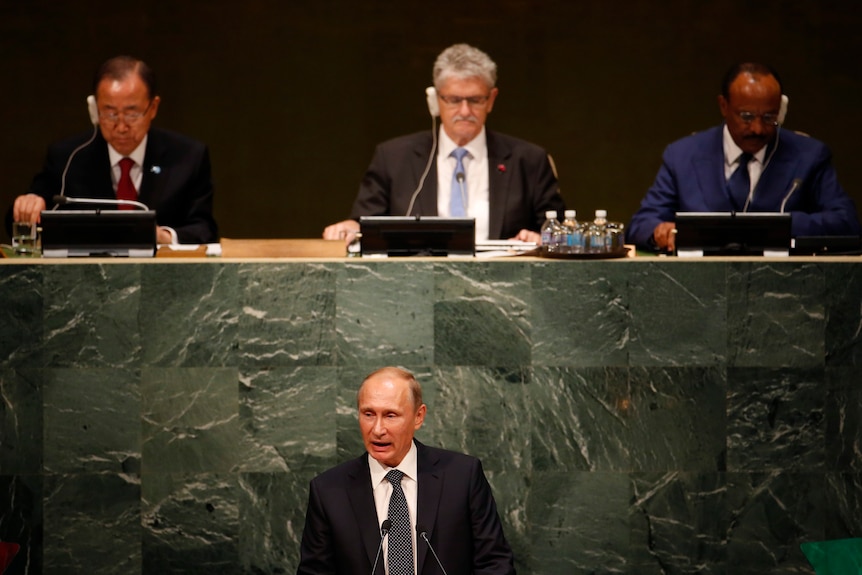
505, 183
410, 507
129, 160
749, 164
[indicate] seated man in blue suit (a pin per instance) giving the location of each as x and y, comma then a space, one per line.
781, 170
402, 505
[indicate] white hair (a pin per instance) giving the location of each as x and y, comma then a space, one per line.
464, 61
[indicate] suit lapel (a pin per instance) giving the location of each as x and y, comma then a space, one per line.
153, 180
709, 168
361, 496
428, 498
499, 182
427, 199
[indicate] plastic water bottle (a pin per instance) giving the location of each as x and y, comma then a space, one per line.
572, 236
550, 231
595, 243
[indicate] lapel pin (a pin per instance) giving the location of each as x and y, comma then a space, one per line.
156, 170
501, 168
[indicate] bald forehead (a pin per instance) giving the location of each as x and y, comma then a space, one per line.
748, 82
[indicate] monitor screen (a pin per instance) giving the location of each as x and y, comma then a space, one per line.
732, 234
122, 233
417, 236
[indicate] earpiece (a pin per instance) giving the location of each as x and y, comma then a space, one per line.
782, 111
93, 110
433, 105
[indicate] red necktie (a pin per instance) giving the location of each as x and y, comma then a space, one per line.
125, 187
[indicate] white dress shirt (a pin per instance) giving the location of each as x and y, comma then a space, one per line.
383, 493
476, 168
732, 152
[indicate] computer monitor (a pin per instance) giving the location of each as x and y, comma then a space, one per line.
396, 236
732, 234
81, 233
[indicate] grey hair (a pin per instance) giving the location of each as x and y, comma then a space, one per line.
464, 61
397, 373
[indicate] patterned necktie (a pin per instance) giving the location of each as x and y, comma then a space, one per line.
458, 198
400, 551
739, 183
125, 187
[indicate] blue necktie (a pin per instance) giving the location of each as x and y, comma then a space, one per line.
458, 198
400, 551
739, 183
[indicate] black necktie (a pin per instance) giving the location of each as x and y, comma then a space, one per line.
400, 550
739, 183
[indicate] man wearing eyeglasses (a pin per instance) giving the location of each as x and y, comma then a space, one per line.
506, 184
130, 160
749, 164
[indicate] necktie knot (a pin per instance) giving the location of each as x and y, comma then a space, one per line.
394, 476
744, 158
125, 187
739, 184
459, 153
126, 165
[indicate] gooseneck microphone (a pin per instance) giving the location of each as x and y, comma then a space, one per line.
796, 183
423, 534
431, 157
62, 200
460, 177
72, 155
384, 531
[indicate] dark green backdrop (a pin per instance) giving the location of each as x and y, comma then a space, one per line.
292, 96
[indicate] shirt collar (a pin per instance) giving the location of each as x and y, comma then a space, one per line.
478, 146
137, 154
407, 467
732, 151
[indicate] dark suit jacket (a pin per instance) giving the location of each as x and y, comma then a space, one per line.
455, 508
691, 179
522, 183
176, 181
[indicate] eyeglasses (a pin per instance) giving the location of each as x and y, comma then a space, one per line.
127, 117
768, 119
472, 101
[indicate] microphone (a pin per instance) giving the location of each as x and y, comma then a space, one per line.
75, 153
796, 183
420, 530
384, 531
63, 200
427, 165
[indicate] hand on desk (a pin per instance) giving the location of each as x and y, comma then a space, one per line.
345, 230
528, 236
665, 236
28, 208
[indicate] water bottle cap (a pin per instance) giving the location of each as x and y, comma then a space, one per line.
601, 213
571, 214
551, 214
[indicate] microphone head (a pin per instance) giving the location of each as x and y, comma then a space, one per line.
59, 200
385, 526
460, 177
420, 530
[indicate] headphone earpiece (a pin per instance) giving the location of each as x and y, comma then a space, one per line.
782, 111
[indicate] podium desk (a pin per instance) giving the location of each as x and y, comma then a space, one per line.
632, 415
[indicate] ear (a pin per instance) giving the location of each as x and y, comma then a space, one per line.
154, 107
491, 97
420, 417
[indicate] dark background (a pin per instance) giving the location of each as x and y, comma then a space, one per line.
292, 96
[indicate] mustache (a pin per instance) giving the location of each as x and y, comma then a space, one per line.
470, 118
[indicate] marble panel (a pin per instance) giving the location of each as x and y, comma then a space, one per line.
770, 514
776, 314
679, 523
580, 419
511, 491
190, 420
286, 419
190, 315
272, 518
385, 314
776, 419
21, 521
92, 523
844, 419
190, 523
842, 517
678, 419
580, 314
287, 315
843, 297
87, 414
21, 421
481, 314
20, 314
578, 523
678, 314
100, 327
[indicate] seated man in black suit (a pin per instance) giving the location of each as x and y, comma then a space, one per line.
506, 184
424, 499
129, 160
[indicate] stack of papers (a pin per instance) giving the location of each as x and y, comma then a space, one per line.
496, 248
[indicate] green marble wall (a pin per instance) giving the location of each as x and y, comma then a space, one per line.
638, 417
